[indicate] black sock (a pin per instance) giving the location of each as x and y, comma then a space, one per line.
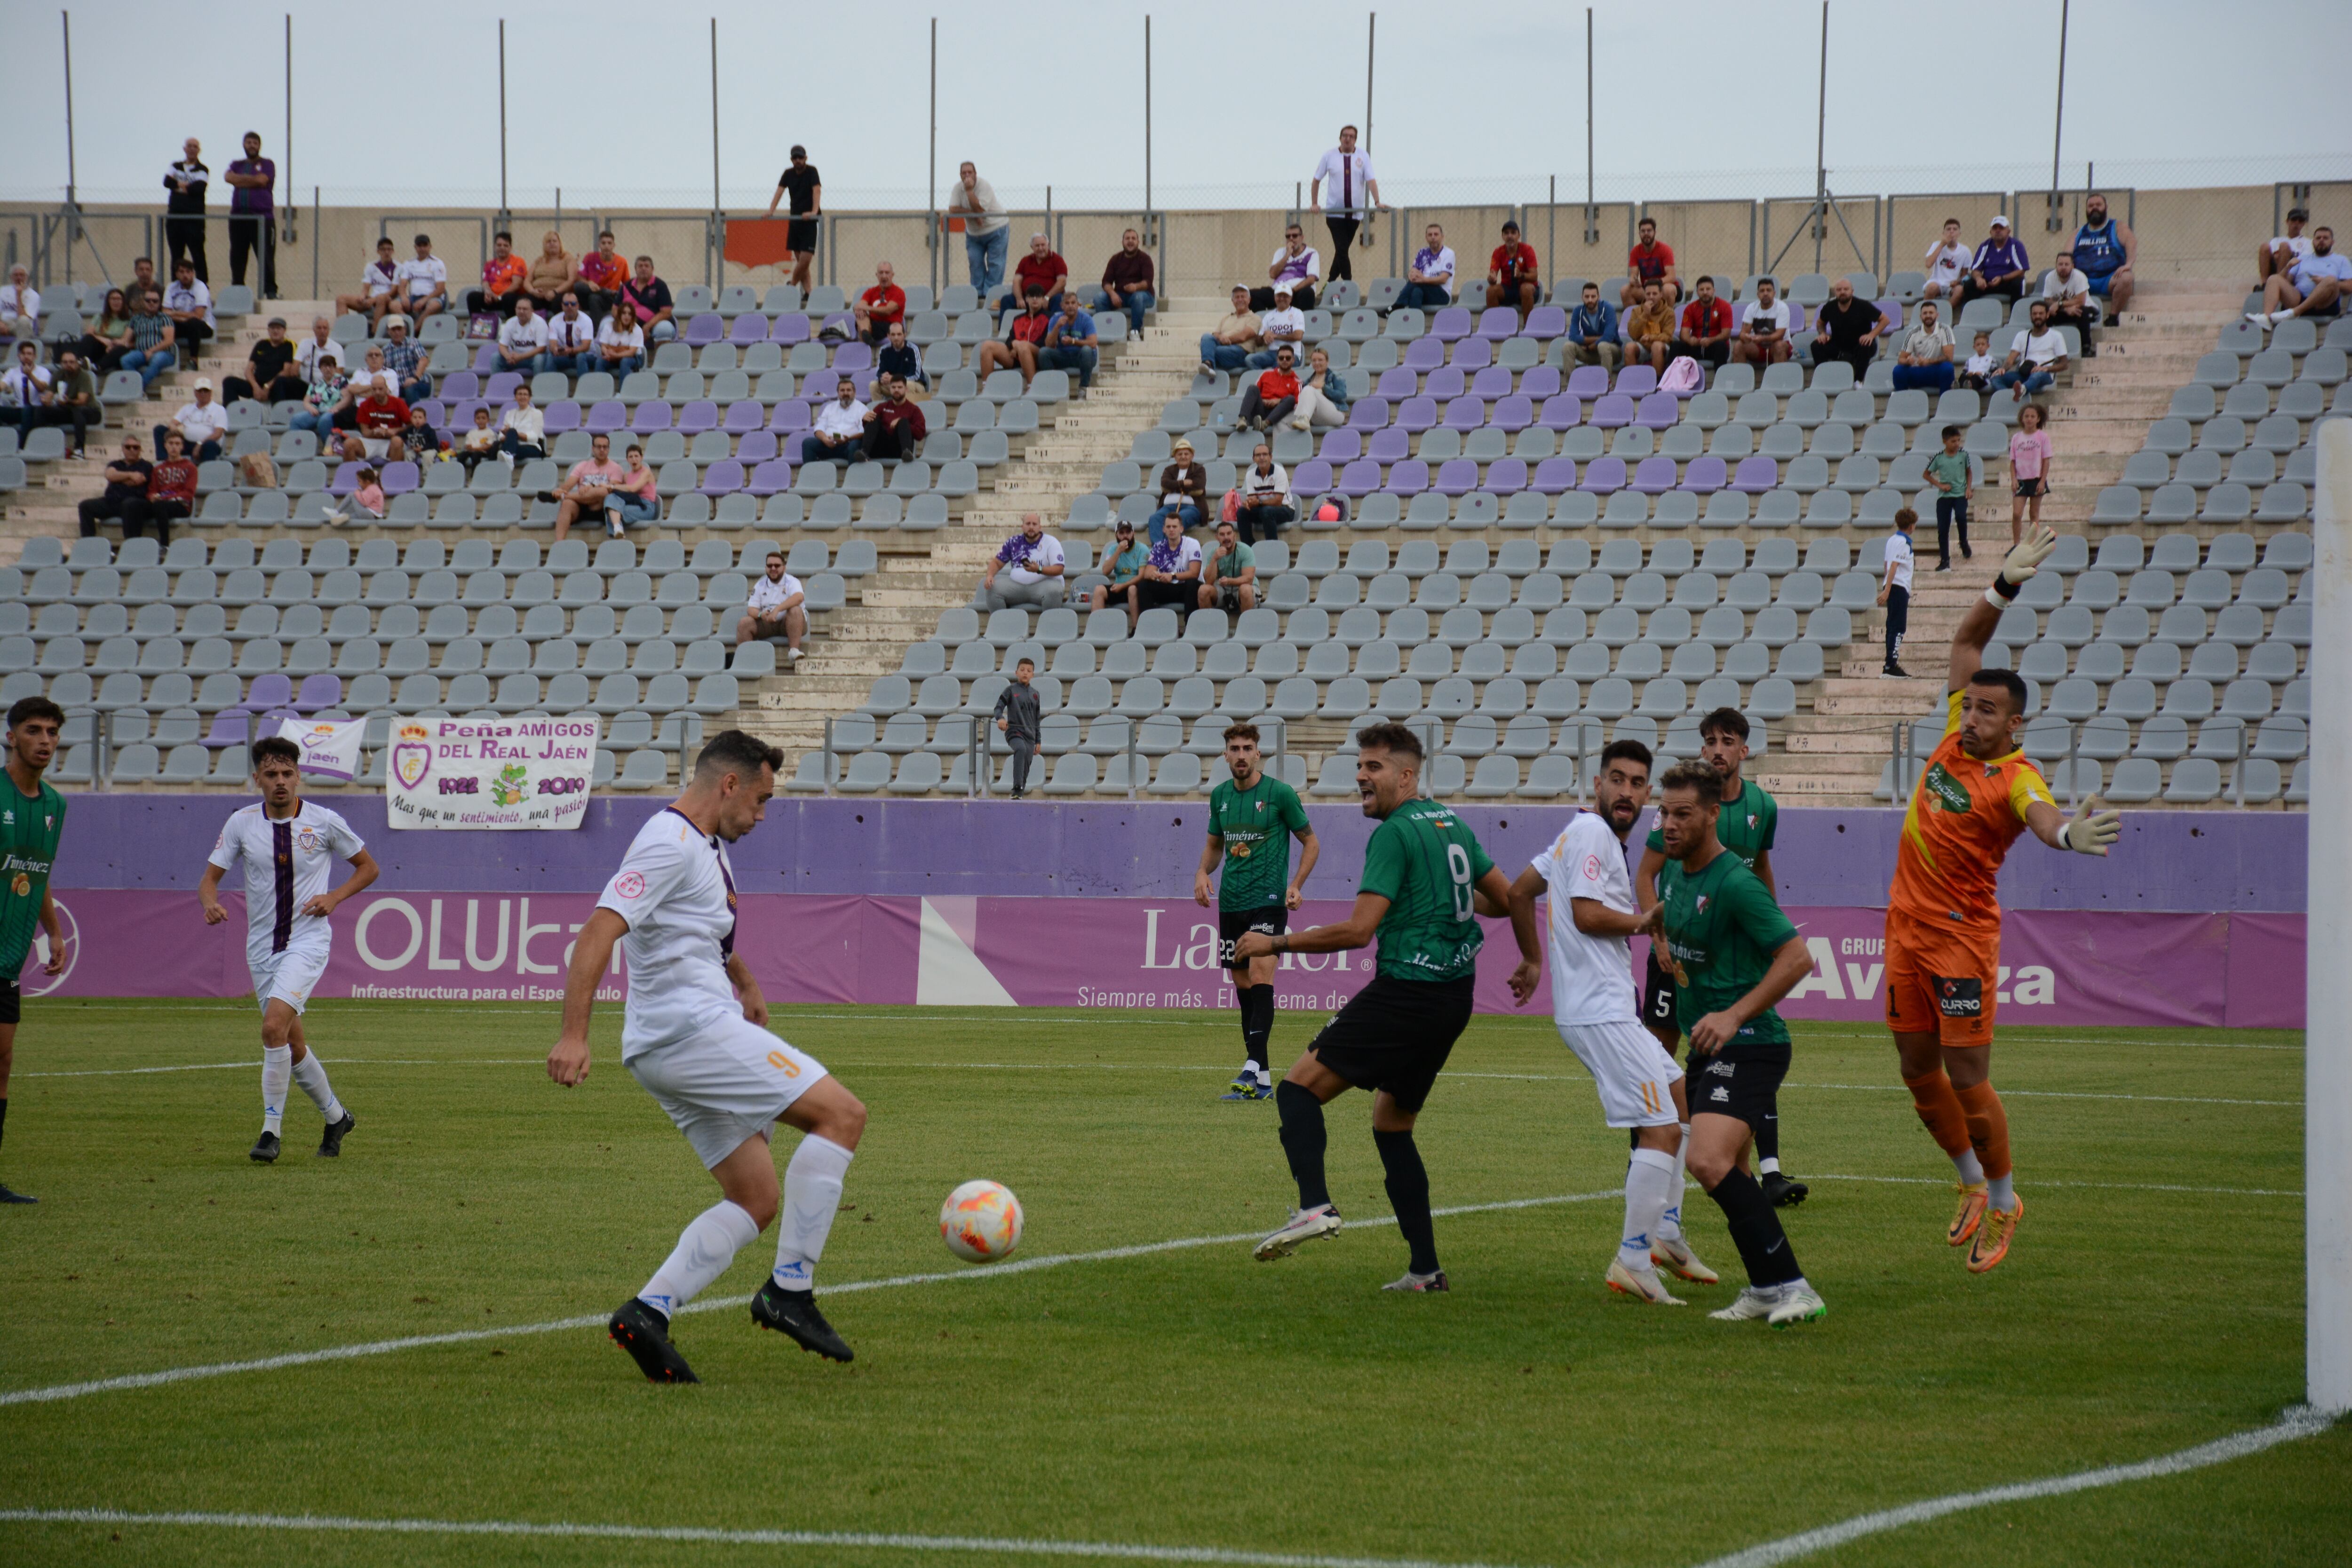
1257, 1021
4, 1115
1408, 1184
1767, 1139
1755, 1230
1302, 1141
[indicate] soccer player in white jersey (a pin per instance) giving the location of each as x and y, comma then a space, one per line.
289, 845
1592, 1000
695, 1035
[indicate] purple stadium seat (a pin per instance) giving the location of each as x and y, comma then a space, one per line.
789, 330
1417, 413
607, 416
1637, 380
724, 477
697, 416
1456, 476
1796, 315
650, 417
436, 415
1659, 411
756, 446
1507, 478
1613, 411
1497, 325
486, 359
705, 330
399, 479
1343, 446
346, 480
1465, 413
1656, 476
1451, 323
1545, 322
790, 415
500, 388
318, 691
1890, 314
461, 414
1553, 475
772, 477
1540, 383
1704, 477
1361, 477
862, 381
1587, 381
461, 384
1409, 478
748, 329
842, 319
562, 414
1391, 445
1445, 381
1564, 412
1756, 475
1604, 476
231, 726
1312, 477
1471, 354
274, 690
745, 415
1425, 353
1513, 414
1369, 413
854, 357
1491, 383
1397, 383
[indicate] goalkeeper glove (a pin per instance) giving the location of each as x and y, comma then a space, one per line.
2025, 558
2093, 829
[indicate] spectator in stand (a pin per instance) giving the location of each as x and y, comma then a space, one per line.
1651, 261
1847, 330
184, 208
1282, 327
406, 360
634, 499
269, 370
1171, 572
1297, 264
837, 434
901, 359
1998, 268
1071, 343
2279, 254
649, 297
375, 373
1228, 347
1126, 284
143, 278
366, 498
200, 423
420, 443
1122, 568
154, 348
2037, 356
586, 490
506, 278
320, 342
1894, 589
1947, 264
523, 337
1032, 567
1323, 395
1018, 348
24, 388
190, 305
805, 187
571, 338
522, 428
2314, 287
1513, 276
479, 444
1184, 489
252, 218
778, 607
602, 272
2029, 470
1040, 268
171, 494
424, 282
323, 394
1952, 477
1650, 328
553, 271
379, 287
986, 230
621, 342
1429, 277
2104, 252
1976, 374
1264, 504
20, 304
379, 419
73, 400
103, 346
1706, 327
881, 306
1274, 395
897, 427
1229, 577
1347, 190
1926, 360
1017, 716
2066, 290
1592, 331
1763, 328
126, 483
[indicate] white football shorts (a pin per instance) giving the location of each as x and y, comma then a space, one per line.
290, 976
1632, 1071
726, 1079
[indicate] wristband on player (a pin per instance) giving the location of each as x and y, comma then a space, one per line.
2002, 592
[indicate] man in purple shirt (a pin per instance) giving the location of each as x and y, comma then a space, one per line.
250, 225
1998, 268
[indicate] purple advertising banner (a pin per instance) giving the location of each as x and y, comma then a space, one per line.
2063, 967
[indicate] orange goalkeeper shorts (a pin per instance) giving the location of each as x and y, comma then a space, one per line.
1941, 982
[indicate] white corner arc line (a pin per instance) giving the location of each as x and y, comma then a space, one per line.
1117, 1551
2300, 1421
54, 1392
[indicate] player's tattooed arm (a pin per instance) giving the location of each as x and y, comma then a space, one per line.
1310, 848
55, 932
1790, 964
747, 990
567, 1064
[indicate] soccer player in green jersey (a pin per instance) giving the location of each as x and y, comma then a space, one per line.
1733, 955
32, 820
1426, 880
1746, 826
1251, 820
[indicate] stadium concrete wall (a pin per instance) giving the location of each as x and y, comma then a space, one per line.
2195, 921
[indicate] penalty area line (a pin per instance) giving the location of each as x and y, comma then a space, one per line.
587, 1321
2299, 1421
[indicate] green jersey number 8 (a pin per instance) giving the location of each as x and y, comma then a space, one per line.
1458, 864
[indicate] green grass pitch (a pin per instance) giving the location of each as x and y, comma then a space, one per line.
1183, 1398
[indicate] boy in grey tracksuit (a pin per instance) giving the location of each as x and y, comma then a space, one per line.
1017, 715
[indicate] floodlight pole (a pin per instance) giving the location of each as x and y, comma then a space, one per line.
715, 203
2052, 220
286, 153
1820, 145
506, 219
1591, 208
1147, 111
931, 168
65, 19
1372, 41
2327, 986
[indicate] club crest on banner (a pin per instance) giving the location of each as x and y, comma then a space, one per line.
412, 759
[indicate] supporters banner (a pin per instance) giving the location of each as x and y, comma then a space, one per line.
330, 749
489, 772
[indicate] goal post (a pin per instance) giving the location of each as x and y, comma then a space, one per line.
2327, 991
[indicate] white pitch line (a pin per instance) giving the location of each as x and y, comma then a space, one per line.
470, 1336
1017, 1547
2105, 1186
2300, 1422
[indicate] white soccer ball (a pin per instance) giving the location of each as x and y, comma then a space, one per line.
981, 1221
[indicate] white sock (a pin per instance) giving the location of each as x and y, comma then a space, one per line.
311, 1074
1768, 1166
2001, 1193
1971, 1169
1649, 1185
812, 1194
704, 1249
1670, 1222
277, 1073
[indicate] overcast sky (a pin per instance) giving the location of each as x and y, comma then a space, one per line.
612, 101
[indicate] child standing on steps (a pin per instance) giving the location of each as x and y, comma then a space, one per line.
1953, 478
2029, 469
